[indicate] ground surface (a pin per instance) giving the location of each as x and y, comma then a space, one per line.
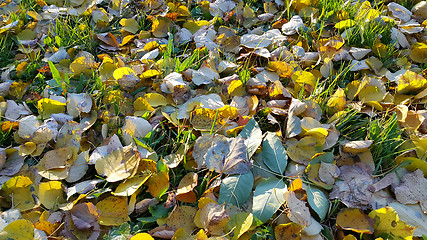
221, 120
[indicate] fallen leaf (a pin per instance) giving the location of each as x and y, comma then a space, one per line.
387, 222
51, 194
20, 229
288, 231
229, 156
119, 164
214, 218
355, 220
113, 211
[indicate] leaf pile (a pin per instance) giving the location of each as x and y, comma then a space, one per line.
223, 119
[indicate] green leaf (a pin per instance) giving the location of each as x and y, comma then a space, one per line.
318, 201
55, 73
158, 211
268, 197
235, 189
241, 223
253, 136
259, 169
274, 154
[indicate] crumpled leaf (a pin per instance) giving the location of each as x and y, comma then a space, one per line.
298, 211
411, 189
353, 189
185, 192
214, 218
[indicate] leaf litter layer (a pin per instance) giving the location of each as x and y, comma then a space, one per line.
213, 120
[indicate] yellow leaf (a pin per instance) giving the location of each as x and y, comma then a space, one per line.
419, 52
120, 72
336, 102
141, 104
151, 45
345, 24
18, 189
142, 236
51, 194
160, 26
356, 220
305, 149
203, 119
119, 164
129, 25
18, 230
84, 63
303, 80
58, 158
228, 112
27, 148
236, 88
414, 164
319, 133
150, 73
388, 222
130, 185
288, 231
182, 217
193, 26
239, 224
283, 69
113, 211
158, 184
46, 226
47, 106
411, 82
187, 183
156, 99
421, 146
276, 90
